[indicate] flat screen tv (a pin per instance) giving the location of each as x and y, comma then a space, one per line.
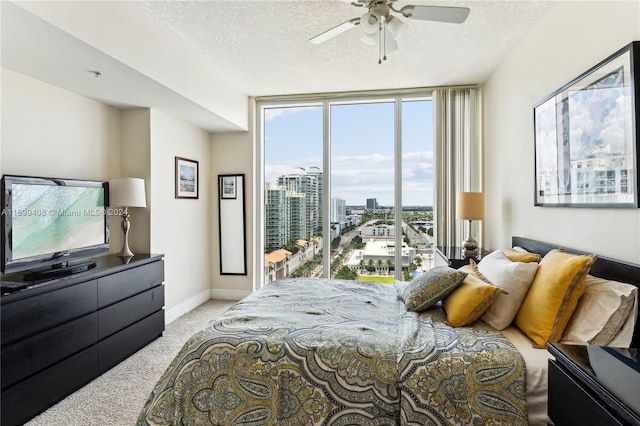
49, 225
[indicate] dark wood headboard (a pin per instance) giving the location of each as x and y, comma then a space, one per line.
604, 267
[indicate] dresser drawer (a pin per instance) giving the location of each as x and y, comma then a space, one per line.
29, 356
39, 392
116, 287
32, 315
126, 342
122, 314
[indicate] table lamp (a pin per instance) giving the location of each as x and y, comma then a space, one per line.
470, 206
127, 192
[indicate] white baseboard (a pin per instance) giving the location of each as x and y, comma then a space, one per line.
229, 294
175, 313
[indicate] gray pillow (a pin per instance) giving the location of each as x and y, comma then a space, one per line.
429, 288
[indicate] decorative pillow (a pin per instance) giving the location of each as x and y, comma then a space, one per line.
513, 277
601, 313
521, 256
469, 300
431, 287
553, 296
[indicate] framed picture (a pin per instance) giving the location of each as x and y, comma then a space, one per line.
228, 187
586, 137
187, 178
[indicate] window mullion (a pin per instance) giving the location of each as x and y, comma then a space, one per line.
397, 186
326, 189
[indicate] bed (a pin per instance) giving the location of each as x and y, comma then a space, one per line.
314, 351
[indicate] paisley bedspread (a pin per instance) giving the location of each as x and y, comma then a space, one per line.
331, 352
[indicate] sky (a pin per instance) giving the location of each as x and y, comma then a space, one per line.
362, 152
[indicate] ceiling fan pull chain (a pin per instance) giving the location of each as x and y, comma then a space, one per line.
380, 44
384, 36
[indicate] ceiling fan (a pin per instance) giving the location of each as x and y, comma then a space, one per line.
381, 26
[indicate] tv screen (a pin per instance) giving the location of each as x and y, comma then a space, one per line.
48, 221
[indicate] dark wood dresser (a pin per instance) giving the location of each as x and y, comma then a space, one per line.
60, 334
592, 385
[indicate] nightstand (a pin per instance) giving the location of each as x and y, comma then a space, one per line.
594, 385
453, 257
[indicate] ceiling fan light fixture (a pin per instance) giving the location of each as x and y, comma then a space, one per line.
370, 22
396, 27
390, 45
369, 39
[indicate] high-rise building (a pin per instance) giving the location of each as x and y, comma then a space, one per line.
301, 182
338, 210
276, 216
315, 171
297, 208
372, 203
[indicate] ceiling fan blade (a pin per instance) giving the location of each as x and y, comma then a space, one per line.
453, 15
335, 31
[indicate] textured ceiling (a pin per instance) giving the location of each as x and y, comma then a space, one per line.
261, 46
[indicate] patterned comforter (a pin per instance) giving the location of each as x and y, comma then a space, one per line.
332, 352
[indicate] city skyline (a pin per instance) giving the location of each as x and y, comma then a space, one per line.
362, 158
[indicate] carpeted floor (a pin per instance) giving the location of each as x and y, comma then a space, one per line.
117, 397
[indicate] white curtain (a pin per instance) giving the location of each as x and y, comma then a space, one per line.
458, 159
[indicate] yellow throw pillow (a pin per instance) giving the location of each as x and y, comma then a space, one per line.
553, 296
520, 256
469, 300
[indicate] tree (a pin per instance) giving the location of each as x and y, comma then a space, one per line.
346, 273
430, 232
291, 247
336, 242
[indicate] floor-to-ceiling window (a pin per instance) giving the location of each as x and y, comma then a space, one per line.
293, 204
345, 183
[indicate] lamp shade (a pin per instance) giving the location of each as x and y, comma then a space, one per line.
127, 192
470, 206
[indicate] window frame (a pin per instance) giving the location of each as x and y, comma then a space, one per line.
326, 101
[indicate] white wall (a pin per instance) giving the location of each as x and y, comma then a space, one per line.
573, 37
181, 228
135, 145
232, 153
48, 131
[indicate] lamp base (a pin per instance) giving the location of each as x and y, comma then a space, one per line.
469, 246
126, 251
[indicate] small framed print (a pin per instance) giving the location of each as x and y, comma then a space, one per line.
228, 190
187, 178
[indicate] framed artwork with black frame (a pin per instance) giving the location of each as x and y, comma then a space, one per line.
228, 189
586, 137
187, 178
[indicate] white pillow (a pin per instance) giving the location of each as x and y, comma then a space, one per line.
513, 277
602, 312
